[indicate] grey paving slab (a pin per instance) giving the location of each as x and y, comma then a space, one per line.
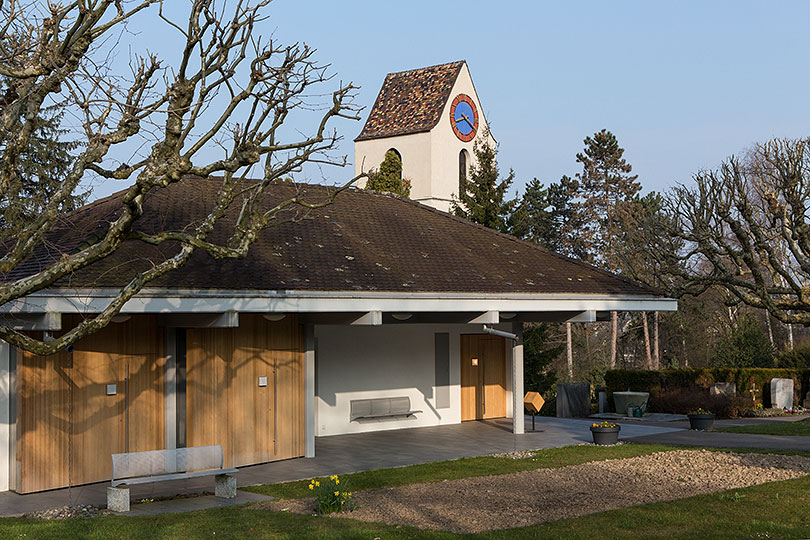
340, 454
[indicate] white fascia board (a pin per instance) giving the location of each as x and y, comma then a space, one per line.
214, 301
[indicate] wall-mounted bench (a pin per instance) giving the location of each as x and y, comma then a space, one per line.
369, 409
161, 465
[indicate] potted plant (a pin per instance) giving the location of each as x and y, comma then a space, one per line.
605, 433
701, 419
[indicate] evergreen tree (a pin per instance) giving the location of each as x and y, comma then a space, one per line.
547, 216
389, 176
38, 171
605, 181
483, 194
538, 358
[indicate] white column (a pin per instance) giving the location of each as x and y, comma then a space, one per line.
518, 423
5, 414
170, 389
309, 389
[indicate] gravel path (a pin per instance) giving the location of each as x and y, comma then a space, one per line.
526, 498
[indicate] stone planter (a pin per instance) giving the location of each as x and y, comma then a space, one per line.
701, 422
605, 435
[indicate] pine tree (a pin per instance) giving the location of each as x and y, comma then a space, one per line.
605, 181
39, 171
547, 216
389, 176
483, 194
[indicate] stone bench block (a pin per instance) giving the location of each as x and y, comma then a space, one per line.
225, 486
118, 499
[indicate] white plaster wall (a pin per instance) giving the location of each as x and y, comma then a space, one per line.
362, 362
445, 146
415, 151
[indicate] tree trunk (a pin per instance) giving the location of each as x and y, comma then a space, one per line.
646, 327
614, 337
684, 352
770, 328
656, 345
570, 352
790, 337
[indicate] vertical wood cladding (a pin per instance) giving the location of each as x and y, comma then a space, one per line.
483, 377
68, 426
225, 403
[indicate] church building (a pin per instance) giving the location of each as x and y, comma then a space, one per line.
431, 118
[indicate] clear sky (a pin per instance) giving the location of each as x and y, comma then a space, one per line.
681, 84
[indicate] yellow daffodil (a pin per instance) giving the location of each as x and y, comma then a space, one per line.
311, 486
337, 481
317, 483
337, 493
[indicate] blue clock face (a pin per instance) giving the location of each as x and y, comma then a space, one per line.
464, 117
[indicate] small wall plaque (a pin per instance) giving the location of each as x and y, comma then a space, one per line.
262, 381
475, 362
112, 389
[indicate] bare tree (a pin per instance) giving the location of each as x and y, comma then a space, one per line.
744, 228
217, 110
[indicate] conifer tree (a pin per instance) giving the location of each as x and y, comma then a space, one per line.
605, 181
38, 171
389, 176
483, 194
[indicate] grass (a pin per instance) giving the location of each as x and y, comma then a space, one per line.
467, 467
795, 428
774, 510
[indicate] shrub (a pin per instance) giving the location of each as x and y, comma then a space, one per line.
745, 345
746, 379
331, 495
799, 357
688, 400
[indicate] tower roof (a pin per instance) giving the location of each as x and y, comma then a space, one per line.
410, 101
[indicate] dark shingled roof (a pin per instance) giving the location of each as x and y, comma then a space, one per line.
364, 241
410, 101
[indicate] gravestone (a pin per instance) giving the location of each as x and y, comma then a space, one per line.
782, 393
573, 400
601, 398
723, 389
806, 402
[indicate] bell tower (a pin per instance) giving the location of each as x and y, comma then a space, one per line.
431, 117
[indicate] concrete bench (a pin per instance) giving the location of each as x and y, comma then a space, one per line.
161, 465
367, 409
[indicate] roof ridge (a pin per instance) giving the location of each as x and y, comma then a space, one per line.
653, 290
404, 71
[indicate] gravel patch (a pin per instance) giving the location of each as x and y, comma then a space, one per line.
64, 512
526, 498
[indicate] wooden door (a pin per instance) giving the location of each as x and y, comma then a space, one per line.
483, 377
245, 389
69, 424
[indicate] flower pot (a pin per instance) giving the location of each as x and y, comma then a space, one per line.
701, 422
605, 435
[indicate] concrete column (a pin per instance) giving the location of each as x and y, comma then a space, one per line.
170, 389
5, 415
309, 389
517, 380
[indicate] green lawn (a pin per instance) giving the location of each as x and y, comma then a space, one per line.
467, 467
799, 427
775, 510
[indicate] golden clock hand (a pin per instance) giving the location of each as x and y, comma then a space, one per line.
464, 116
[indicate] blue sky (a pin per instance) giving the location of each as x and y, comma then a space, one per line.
682, 84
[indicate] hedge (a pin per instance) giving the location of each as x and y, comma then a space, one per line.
669, 379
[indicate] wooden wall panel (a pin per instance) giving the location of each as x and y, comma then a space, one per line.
225, 404
62, 387
483, 387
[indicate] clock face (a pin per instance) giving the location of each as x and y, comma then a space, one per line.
464, 117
